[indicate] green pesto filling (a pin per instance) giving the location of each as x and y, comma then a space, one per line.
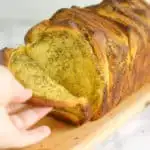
67, 59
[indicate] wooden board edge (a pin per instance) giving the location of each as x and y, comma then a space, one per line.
116, 118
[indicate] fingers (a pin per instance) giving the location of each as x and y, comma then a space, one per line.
32, 137
14, 108
29, 117
12, 91
11, 137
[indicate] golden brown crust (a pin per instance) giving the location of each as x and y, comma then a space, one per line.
59, 108
68, 118
122, 85
37, 29
114, 57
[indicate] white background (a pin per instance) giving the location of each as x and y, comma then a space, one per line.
17, 16
36, 9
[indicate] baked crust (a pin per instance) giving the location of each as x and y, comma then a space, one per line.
37, 29
119, 36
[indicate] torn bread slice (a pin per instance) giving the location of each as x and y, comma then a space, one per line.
32, 76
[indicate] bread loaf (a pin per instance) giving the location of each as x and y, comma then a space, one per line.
84, 61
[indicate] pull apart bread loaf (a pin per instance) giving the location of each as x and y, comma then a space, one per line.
84, 61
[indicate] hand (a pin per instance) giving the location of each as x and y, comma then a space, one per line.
15, 117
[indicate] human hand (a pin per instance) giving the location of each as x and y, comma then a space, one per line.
15, 117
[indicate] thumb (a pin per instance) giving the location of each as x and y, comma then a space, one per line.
10, 89
34, 136
19, 93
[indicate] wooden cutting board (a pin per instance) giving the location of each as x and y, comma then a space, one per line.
86, 137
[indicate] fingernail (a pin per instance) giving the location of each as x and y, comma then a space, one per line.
45, 130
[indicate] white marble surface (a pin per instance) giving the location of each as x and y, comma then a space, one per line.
15, 19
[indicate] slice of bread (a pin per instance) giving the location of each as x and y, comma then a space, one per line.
60, 70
